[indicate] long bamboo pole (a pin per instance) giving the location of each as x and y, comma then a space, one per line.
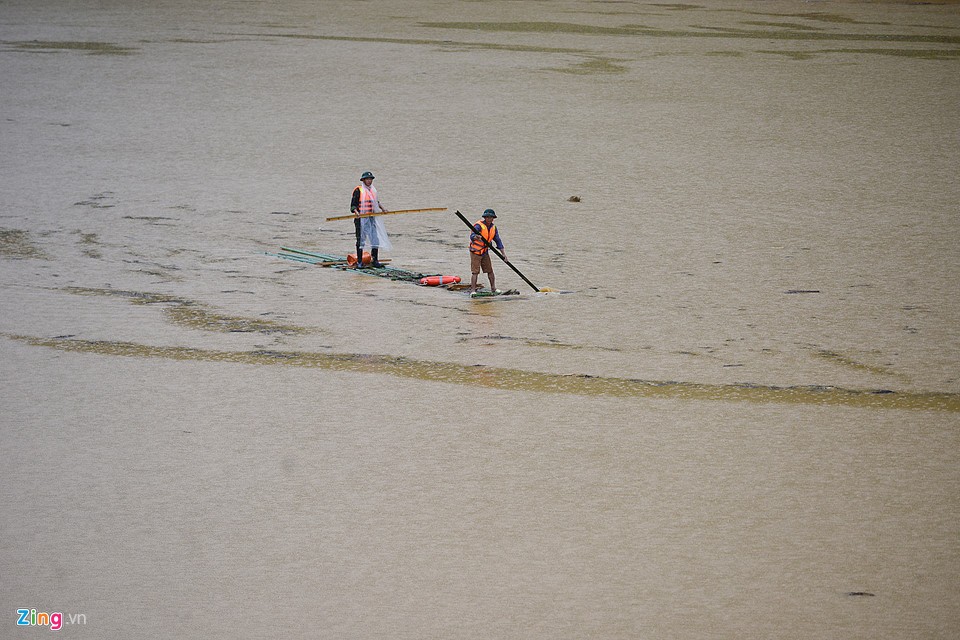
385, 213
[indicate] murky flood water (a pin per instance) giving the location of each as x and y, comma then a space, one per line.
735, 414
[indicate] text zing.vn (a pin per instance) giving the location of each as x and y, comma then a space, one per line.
30, 617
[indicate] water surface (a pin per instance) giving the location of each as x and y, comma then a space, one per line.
741, 421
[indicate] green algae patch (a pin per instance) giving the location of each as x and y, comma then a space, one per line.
519, 380
765, 34
135, 297
595, 66
850, 363
783, 25
793, 55
193, 315
600, 65
918, 54
678, 6
539, 27
549, 344
725, 54
94, 48
831, 18
90, 242
445, 44
694, 32
16, 243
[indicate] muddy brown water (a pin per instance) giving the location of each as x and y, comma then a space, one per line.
738, 419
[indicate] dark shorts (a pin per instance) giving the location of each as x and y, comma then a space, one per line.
480, 263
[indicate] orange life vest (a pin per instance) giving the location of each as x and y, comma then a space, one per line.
477, 245
367, 197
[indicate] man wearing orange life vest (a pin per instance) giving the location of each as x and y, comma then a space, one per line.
484, 229
370, 230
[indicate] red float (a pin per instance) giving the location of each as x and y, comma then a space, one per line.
436, 281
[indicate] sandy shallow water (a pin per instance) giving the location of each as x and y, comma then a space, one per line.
740, 419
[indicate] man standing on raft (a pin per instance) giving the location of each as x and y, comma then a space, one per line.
370, 230
484, 229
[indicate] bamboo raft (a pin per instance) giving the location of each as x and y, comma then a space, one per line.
340, 262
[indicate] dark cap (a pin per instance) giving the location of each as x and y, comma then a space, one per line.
489, 213
366, 174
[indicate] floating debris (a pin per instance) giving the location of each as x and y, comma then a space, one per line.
16, 243
95, 48
98, 201
91, 240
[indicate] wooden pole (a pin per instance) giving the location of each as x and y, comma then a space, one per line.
385, 213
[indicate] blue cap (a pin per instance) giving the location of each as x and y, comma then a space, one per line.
489, 213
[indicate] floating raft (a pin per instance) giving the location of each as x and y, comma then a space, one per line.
495, 294
340, 262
